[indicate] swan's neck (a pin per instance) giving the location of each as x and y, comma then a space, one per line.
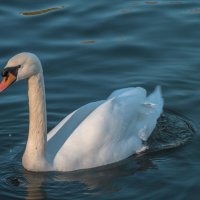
34, 155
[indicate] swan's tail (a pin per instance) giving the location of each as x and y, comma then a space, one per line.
155, 98
153, 107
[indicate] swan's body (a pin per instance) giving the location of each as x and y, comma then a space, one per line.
96, 134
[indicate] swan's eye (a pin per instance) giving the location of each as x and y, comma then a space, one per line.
4, 72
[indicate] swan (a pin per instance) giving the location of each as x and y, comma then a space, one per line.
96, 134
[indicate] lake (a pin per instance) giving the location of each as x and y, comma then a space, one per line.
88, 49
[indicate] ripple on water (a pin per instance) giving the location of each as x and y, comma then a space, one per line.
12, 180
171, 131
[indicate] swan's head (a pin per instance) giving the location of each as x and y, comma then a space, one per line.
19, 67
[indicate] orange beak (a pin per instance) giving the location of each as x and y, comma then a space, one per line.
7, 81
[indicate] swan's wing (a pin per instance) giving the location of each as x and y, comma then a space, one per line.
60, 133
74, 118
112, 131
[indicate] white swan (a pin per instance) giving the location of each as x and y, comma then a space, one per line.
96, 134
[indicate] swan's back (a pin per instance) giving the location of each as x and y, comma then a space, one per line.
107, 131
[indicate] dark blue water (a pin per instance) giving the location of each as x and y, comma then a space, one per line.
88, 49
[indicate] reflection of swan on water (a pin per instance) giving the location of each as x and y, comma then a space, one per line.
96, 134
95, 181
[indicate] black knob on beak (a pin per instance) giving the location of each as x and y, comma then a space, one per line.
12, 70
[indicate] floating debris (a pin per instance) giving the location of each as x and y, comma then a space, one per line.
151, 2
88, 42
196, 11
40, 12
126, 10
